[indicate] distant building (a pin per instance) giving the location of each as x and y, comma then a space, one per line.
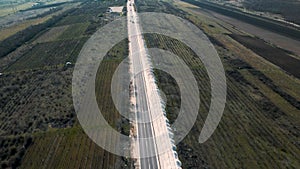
115, 9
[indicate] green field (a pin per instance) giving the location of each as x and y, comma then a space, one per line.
61, 147
36, 99
68, 148
258, 126
74, 31
250, 127
46, 55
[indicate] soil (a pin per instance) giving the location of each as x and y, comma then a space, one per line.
275, 55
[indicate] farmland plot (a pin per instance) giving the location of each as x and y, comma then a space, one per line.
46, 54
12, 150
74, 31
52, 34
68, 148
36, 101
73, 19
272, 54
72, 148
253, 133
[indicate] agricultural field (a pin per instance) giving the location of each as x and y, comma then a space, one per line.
33, 109
36, 92
276, 56
69, 148
289, 9
250, 125
8, 31
263, 22
74, 30
73, 144
52, 34
10, 8
259, 128
46, 55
